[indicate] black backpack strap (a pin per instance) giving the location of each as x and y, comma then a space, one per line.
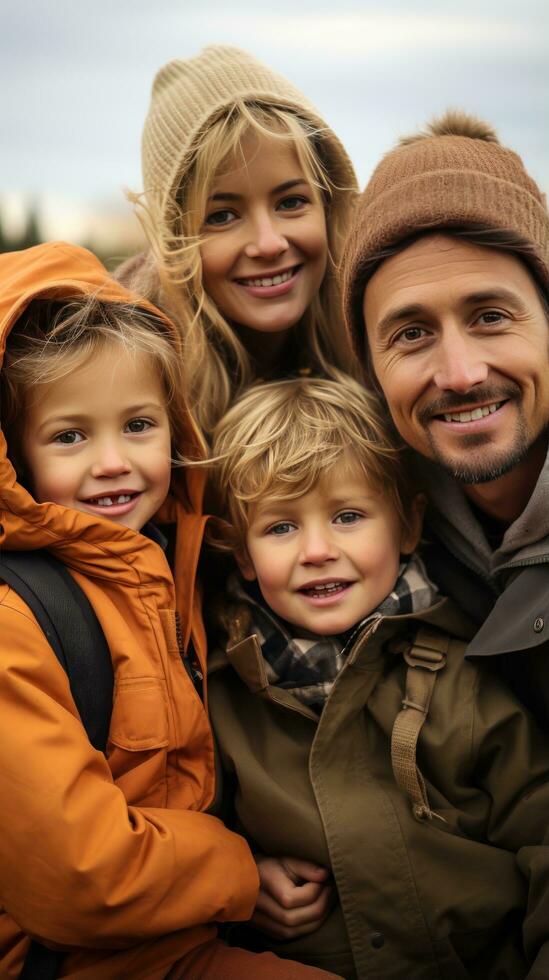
73, 631
41, 963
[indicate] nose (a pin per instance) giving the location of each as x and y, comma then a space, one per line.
110, 461
317, 547
460, 364
266, 240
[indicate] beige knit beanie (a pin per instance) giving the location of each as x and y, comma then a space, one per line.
455, 174
187, 96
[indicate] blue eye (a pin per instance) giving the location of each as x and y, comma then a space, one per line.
347, 517
69, 438
292, 203
221, 217
283, 527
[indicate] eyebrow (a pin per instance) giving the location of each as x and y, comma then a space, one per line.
471, 299
284, 510
279, 189
146, 407
70, 419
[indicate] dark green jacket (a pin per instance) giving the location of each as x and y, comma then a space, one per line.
418, 899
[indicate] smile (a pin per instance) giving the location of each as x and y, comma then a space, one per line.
323, 593
474, 414
323, 589
267, 282
112, 501
117, 504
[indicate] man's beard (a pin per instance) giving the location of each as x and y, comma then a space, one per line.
486, 465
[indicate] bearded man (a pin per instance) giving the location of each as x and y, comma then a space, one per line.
446, 280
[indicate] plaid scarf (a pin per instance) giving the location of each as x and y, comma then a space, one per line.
308, 666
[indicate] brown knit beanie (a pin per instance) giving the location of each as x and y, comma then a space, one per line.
187, 96
455, 175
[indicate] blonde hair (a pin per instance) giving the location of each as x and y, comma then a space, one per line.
279, 440
54, 338
217, 366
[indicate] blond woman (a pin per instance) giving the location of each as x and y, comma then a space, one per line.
247, 193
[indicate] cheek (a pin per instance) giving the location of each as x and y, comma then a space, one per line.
159, 468
55, 481
400, 389
379, 555
163, 480
271, 567
217, 258
316, 243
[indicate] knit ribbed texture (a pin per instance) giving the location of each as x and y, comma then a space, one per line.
440, 181
187, 96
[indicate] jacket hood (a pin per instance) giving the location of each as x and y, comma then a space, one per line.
62, 271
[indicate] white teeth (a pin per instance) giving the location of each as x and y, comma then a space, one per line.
327, 587
474, 414
122, 498
269, 280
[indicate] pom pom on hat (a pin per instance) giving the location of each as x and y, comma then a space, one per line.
454, 122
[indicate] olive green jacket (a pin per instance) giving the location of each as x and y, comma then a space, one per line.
440, 897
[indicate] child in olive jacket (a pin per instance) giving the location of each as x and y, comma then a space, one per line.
357, 735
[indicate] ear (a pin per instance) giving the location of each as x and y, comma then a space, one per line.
244, 563
412, 532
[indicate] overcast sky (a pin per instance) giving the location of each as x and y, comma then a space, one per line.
75, 76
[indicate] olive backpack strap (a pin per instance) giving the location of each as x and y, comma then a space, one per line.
425, 657
72, 629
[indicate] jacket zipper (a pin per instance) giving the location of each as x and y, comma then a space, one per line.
190, 661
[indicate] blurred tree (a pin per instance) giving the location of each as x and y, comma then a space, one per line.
109, 251
4, 243
30, 235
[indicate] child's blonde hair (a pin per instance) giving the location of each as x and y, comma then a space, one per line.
217, 365
53, 339
279, 440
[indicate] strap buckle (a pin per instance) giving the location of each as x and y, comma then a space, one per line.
428, 651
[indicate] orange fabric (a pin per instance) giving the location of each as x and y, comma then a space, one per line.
215, 960
105, 858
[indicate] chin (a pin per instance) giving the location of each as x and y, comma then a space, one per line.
328, 627
274, 327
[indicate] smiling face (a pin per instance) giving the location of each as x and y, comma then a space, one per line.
265, 251
98, 440
459, 343
328, 558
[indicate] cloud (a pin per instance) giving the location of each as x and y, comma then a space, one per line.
75, 89
342, 33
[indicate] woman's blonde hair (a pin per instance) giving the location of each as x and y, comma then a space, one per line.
216, 364
279, 440
55, 338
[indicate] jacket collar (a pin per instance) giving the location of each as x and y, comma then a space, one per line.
526, 540
246, 658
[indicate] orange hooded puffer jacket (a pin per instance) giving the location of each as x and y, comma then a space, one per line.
111, 859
